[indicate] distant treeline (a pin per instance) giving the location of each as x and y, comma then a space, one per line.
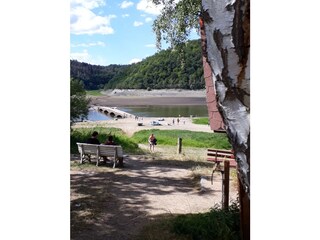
166, 69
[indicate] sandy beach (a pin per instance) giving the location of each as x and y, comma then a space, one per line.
130, 125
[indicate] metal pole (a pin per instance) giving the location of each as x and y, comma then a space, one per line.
179, 145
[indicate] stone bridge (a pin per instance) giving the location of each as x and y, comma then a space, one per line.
113, 112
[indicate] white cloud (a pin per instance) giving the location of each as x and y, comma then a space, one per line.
135, 60
148, 19
90, 4
150, 45
125, 15
80, 56
137, 24
149, 7
84, 56
93, 44
126, 4
85, 21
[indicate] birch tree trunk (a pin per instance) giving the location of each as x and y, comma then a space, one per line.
227, 30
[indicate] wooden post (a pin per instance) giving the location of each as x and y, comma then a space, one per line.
179, 145
244, 213
225, 185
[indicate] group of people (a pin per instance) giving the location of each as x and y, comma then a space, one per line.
94, 139
110, 141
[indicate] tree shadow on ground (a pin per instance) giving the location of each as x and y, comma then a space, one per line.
113, 203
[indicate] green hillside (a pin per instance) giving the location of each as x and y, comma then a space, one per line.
166, 69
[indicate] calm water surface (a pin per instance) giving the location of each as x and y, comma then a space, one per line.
155, 111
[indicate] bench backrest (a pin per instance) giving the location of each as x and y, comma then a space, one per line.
86, 148
119, 151
100, 150
220, 153
107, 150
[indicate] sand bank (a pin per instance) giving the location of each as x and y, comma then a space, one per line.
130, 125
126, 97
154, 93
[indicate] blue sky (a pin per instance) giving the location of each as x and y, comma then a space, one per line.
104, 32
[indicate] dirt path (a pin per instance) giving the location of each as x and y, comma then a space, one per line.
115, 204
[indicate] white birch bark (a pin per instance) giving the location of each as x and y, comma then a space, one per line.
227, 27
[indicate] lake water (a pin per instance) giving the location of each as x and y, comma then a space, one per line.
154, 111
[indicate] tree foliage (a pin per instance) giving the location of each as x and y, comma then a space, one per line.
79, 103
165, 69
176, 20
94, 76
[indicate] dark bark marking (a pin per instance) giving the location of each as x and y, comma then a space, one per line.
241, 41
229, 7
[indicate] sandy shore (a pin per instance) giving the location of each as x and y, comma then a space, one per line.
130, 125
130, 97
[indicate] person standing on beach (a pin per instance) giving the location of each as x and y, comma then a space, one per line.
152, 141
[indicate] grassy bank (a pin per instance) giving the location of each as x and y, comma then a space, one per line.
164, 137
189, 138
82, 134
94, 92
201, 121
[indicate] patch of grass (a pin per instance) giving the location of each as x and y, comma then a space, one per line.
94, 92
82, 135
202, 121
189, 138
160, 229
217, 224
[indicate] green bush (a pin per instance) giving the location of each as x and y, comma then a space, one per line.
218, 224
82, 135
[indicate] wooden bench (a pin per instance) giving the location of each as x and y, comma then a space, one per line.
100, 151
218, 156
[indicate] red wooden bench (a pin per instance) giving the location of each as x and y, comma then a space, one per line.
218, 156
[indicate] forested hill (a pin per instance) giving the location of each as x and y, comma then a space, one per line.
165, 69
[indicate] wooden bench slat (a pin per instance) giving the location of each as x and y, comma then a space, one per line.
101, 151
219, 150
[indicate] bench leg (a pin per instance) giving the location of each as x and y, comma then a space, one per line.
84, 157
114, 162
215, 168
121, 162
